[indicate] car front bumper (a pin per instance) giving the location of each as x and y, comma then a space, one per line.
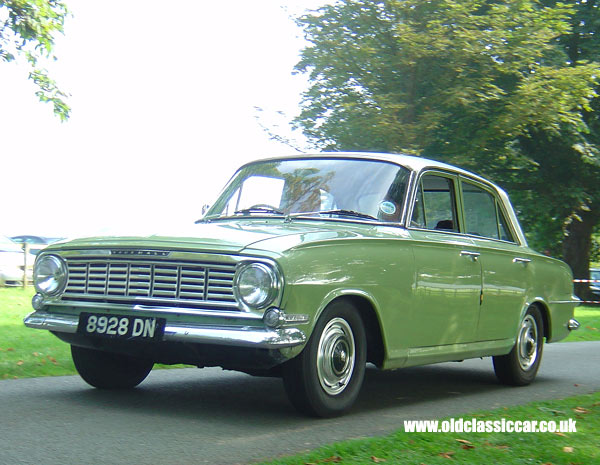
245, 336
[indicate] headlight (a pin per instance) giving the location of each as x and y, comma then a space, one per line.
255, 285
49, 274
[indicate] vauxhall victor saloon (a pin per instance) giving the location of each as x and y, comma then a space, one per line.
307, 268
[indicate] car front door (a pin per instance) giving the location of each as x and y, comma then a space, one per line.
448, 274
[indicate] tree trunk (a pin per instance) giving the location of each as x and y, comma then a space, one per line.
577, 246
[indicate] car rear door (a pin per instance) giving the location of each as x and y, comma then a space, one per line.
506, 274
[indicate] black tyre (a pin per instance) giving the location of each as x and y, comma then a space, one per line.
325, 379
520, 366
107, 370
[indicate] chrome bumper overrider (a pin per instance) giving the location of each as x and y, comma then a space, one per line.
573, 324
224, 335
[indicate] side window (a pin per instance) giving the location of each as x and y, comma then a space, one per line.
483, 217
435, 205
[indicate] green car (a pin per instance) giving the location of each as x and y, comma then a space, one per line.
308, 268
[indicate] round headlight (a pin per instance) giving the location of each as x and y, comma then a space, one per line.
49, 274
255, 285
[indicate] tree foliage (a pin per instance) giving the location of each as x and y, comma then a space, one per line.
27, 30
505, 87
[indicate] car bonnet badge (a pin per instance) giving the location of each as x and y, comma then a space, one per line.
143, 253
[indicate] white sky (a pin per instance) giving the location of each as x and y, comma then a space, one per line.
163, 97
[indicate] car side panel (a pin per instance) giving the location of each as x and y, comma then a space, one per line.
379, 270
553, 288
448, 286
506, 286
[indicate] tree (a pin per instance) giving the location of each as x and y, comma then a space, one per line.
488, 85
27, 30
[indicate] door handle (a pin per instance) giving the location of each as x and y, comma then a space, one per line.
523, 261
472, 255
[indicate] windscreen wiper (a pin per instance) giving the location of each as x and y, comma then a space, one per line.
350, 213
259, 209
246, 211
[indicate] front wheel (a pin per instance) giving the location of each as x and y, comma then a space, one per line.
107, 370
520, 366
325, 379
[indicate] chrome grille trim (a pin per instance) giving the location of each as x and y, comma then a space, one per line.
150, 282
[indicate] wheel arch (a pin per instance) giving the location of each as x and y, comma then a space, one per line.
545, 312
367, 309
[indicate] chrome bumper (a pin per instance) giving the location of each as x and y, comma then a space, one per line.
222, 335
573, 324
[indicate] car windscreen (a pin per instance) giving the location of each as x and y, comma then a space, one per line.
373, 189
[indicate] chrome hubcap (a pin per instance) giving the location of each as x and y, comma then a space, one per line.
527, 343
336, 356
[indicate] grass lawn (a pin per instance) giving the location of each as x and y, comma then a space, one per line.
27, 353
589, 319
579, 448
30, 353
24, 352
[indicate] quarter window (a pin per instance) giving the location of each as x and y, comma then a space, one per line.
435, 206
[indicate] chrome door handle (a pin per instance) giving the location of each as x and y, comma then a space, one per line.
473, 255
523, 261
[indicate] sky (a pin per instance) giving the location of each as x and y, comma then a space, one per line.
163, 99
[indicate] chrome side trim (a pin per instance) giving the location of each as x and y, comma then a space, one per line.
220, 335
574, 301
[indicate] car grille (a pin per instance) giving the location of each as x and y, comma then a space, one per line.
151, 283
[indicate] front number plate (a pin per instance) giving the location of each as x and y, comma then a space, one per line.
121, 326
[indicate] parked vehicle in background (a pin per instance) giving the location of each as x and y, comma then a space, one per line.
595, 286
12, 260
307, 268
36, 243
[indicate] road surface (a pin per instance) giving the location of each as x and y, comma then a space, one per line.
192, 416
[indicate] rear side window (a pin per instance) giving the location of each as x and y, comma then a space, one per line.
483, 215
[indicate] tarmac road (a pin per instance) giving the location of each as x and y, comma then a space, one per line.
191, 416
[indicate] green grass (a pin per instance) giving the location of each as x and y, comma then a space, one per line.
589, 319
27, 353
582, 447
30, 353
24, 352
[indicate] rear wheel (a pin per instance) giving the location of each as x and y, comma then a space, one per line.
325, 379
107, 370
520, 366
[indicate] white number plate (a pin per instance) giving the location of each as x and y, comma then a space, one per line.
121, 326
